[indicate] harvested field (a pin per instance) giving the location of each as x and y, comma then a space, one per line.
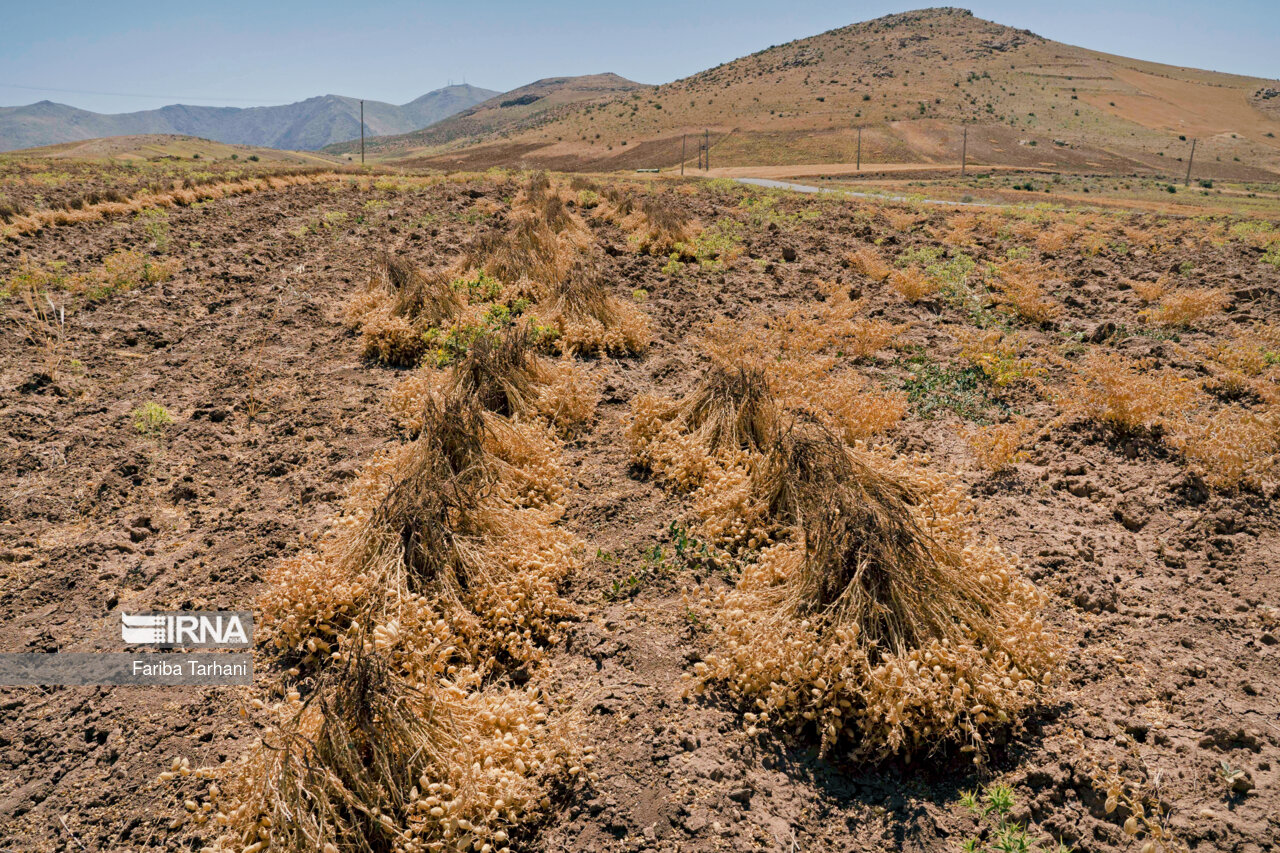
674, 516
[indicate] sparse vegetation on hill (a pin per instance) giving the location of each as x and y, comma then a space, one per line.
911, 81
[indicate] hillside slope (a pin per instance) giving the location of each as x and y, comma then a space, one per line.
305, 125
519, 110
911, 81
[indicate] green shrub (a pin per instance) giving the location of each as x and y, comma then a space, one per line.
151, 419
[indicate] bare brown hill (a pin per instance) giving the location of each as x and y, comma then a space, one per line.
911, 81
519, 110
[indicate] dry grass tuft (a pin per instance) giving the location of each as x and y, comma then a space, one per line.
878, 620
1189, 305
730, 410
372, 761
706, 441
998, 446
912, 284
589, 319
1128, 395
1021, 288
45, 327
869, 263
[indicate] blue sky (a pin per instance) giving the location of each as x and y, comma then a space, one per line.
236, 53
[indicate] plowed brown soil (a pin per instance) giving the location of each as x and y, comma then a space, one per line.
1158, 585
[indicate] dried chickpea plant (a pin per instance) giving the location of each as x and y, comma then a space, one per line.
801, 357
870, 613
1187, 306
659, 226
1127, 394
1022, 291
1003, 358
878, 621
590, 320
996, 447
869, 263
370, 760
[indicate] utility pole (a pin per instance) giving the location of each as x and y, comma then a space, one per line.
682, 136
859, 148
964, 150
706, 143
1190, 160
361, 131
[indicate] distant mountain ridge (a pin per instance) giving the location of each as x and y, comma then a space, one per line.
302, 126
502, 114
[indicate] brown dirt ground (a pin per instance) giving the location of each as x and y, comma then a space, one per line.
1155, 583
52, 181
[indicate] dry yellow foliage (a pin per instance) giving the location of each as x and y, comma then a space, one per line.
590, 320
997, 446
145, 200
960, 228
393, 762
901, 220
1021, 288
879, 618
912, 284
1127, 394
799, 358
869, 263
1056, 239
1248, 362
1150, 291
1231, 446
1188, 305
999, 356
658, 226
